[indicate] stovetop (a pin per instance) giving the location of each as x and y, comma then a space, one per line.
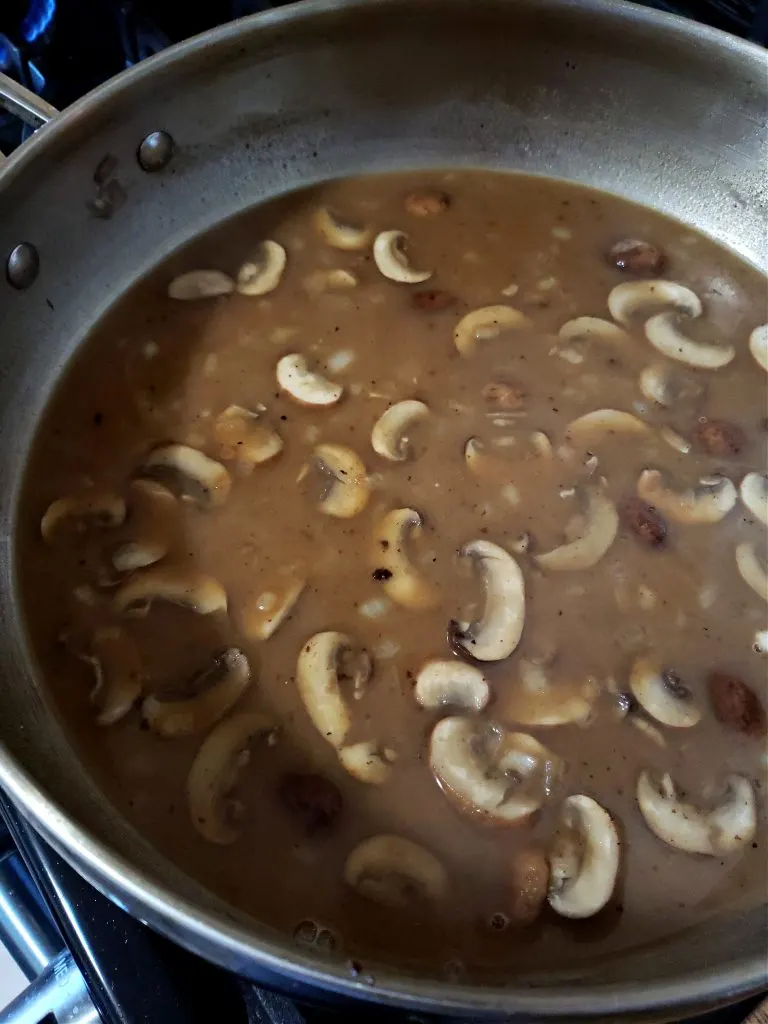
87, 960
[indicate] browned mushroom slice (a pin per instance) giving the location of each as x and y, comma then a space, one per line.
203, 699
244, 437
195, 476
395, 872
585, 859
178, 585
214, 772
154, 516
117, 669
70, 517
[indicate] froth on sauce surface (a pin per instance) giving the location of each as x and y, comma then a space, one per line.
159, 371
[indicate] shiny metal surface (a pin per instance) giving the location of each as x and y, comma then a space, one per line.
22, 265
57, 996
659, 110
19, 100
26, 930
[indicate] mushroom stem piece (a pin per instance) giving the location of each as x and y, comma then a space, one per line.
497, 633
585, 859
726, 828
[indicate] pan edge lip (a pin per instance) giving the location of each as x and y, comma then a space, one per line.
117, 878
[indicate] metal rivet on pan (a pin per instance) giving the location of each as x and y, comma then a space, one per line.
155, 152
22, 265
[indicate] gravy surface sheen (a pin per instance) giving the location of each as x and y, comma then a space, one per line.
639, 647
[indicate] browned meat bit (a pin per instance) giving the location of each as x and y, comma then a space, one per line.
433, 300
529, 882
504, 394
719, 437
645, 521
735, 705
636, 257
314, 800
427, 203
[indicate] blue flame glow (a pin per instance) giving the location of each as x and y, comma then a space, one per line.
38, 19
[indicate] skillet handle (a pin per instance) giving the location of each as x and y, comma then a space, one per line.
18, 100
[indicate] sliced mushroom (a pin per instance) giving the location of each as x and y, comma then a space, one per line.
304, 386
367, 762
203, 700
200, 284
336, 279
389, 436
402, 582
262, 274
664, 384
442, 683
178, 585
482, 464
535, 701
497, 633
263, 614
752, 572
348, 489
116, 665
395, 872
717, 832
486, 323
213, 775
326, 659
627, 300
754, 494
758, 345
389, 256
605, 423
599, 532
154, 511
662, 695
710, 502
243, 436
67, 517
340, 234
585, 328
584, 862
663, 332
505, 776
195, 476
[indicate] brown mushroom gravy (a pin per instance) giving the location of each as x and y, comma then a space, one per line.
447, 507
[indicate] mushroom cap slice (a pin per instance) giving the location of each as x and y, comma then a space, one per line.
389, 436
584, 862
752, 572
602, 524
497, 633
395, 871
722, 830
389, 256
304, 386
585, 328
534, 701
663, 332
200, 284
442, 683
485, 323
263, 614
626, 300
195, 476
178, 585
710, 502
262, 273
118, 674
367, 762
754, 494
349, 490
67, 516
207, 697
664, 384
503, 776
214, 773
758, 345
340, 235
156, 511
323, 659
594, 426
404, 585
242, 436
661, 694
